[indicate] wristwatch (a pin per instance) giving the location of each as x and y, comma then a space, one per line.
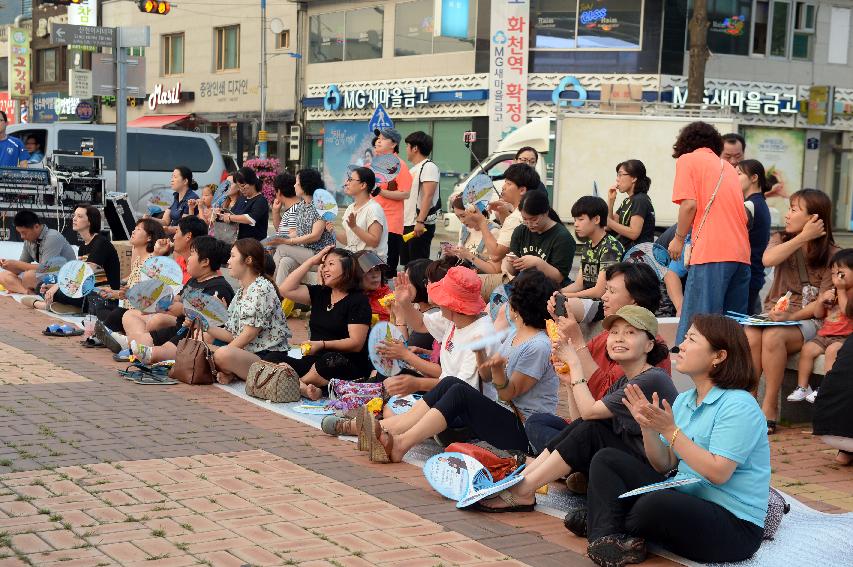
579, 381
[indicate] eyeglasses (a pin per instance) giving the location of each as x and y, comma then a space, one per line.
528, 161
622, 174
353, 180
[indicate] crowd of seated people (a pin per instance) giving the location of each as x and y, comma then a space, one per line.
626, 425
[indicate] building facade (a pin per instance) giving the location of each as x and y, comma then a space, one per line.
771, 62
203, 68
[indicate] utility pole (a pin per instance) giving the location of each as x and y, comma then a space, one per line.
120, 57
262, 133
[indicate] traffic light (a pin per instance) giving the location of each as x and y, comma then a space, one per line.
160, 7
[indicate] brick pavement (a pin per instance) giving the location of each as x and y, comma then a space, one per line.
138, 456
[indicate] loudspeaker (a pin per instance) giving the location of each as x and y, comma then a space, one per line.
120, 217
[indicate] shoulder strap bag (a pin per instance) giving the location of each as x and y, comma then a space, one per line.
193, 359
688, 248
435, 208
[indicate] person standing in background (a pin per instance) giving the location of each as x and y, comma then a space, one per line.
421, 208
393, 195
710, 204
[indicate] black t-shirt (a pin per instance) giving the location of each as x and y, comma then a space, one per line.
257, 208
331, 325
216, 285
556, 246
101, 252
638, 204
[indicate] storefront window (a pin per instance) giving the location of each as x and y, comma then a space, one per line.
4, 73
584, 24
47, 65
552, 24
346, 36
610, 24
779, 29
729, 24
364, 33
327, 37
414, 24
414, 30
173, 54
227, 48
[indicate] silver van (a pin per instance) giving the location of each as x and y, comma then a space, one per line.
152, 155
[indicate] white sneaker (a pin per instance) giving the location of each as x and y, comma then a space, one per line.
811, 397
800, 394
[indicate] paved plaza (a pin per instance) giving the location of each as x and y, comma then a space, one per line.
96, 470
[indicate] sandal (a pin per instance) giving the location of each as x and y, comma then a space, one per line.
513, 505
379, 452
92, 342
771, 426
336, 425
62, 331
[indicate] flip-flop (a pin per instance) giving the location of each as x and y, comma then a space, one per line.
51, 330
91, 342
509, 499
151, 380
69, 331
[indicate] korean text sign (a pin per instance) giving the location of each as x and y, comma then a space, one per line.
510, 27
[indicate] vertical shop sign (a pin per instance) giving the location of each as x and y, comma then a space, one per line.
7, 105
510, 26
83, 14
19, 63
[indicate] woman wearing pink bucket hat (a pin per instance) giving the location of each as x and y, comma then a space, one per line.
517, 381
458, 292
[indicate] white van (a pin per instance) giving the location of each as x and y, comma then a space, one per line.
535, 134
152, 154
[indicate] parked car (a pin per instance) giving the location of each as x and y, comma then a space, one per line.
152, 155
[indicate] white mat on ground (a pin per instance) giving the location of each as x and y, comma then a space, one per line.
73, 319
806, 537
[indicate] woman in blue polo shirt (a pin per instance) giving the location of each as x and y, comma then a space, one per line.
184, 190
714, 433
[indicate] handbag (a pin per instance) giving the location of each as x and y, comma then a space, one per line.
193, 359
688, 248
225, 231
278, 383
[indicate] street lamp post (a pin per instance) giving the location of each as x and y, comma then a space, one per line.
262, 133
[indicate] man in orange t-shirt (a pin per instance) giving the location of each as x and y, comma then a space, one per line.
719, 267
392, 195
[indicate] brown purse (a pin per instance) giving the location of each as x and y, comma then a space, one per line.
278, 383
193, 359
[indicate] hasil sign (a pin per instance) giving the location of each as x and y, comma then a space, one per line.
162, 95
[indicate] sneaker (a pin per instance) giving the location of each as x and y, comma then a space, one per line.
575, 521
143, 353
122, 355
811, 397
617, 550
800, 394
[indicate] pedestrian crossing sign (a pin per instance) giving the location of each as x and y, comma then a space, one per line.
380, 119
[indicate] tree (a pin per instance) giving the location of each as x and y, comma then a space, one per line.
698, 28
